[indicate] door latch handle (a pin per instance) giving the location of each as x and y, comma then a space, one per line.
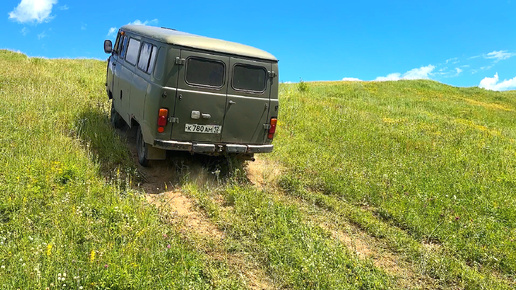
231, 102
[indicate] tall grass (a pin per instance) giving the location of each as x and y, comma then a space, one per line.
425, 168
295, 253
64, 224
435, 161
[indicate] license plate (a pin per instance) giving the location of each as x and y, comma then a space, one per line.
208, 129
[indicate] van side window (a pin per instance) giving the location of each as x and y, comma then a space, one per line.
152, 60
204, 72
249, 78
124, 47
132, 51
147, 57
117, 43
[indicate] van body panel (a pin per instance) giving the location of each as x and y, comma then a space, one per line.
218, 96
248, 102
138, 94
125, 84
201, 91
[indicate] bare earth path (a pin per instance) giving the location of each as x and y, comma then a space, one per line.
161, 182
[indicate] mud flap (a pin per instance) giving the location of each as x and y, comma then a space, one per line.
156, 153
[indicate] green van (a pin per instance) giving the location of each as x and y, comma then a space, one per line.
191, 93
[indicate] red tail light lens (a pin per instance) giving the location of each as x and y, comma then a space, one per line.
162, 119
272, 128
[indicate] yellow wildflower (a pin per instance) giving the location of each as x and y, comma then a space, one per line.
92, 256
49, 250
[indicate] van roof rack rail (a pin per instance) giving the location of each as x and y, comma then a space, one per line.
168, 28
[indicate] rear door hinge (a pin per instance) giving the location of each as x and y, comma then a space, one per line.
173, 120
266, 126
180, 61
272, 74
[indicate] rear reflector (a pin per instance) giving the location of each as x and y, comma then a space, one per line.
272, 128
162, 119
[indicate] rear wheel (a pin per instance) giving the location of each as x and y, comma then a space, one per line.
142, 149
116, 119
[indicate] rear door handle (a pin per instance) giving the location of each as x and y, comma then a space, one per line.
232, 102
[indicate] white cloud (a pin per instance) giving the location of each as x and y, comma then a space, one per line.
146, 22
112, 31
487, 67
452, 60
42, 35
499, 55
389, 77
33, 11
413, 74
419, 73
351, 79
24, 31
494, 84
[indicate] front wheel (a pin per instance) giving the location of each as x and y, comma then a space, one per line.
142, 149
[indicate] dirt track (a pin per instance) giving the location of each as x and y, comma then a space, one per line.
162, 179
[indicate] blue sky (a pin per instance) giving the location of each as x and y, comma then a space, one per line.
460, 43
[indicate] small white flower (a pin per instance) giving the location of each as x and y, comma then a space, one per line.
64, 274
3, 266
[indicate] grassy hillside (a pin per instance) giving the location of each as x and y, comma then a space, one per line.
418, 163
62, 225
407, 184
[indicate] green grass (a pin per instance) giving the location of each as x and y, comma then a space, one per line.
62, 224
434, 161
426, 170
295, 253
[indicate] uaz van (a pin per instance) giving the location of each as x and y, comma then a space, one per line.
191, 93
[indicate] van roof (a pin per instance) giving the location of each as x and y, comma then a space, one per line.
175, 37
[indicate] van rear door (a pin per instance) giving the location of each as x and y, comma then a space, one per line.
201, 97
248, 102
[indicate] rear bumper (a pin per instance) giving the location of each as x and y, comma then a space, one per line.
209, 148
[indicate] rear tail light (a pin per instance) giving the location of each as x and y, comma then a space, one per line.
162, 119
272, 128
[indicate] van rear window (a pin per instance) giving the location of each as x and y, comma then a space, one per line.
204, 72
249, 78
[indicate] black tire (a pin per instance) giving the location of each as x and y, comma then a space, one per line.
115, 118
142, 150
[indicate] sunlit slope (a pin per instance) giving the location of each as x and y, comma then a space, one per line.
435, 161
63, 224
423, 171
